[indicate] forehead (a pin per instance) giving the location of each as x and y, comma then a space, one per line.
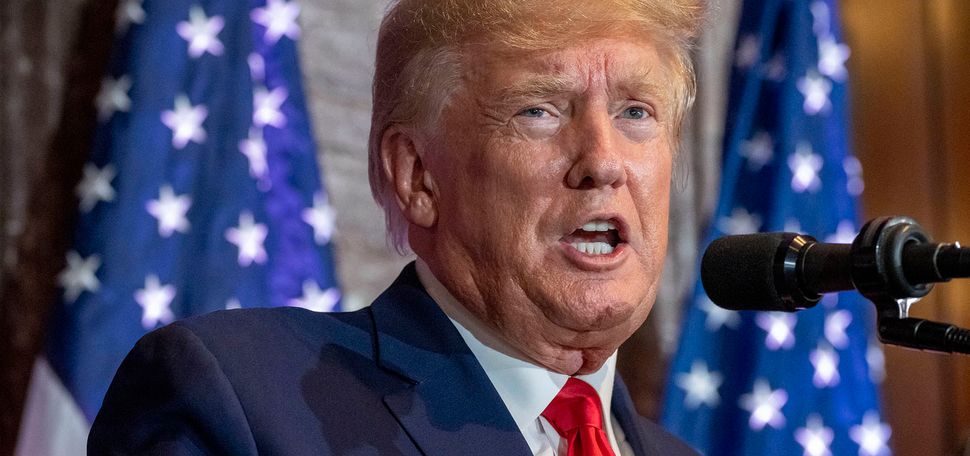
611, 61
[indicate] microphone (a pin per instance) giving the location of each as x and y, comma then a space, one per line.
789, 271
891, 261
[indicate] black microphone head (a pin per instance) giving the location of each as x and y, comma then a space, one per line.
740, 272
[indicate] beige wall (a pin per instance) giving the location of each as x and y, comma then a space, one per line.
911, 99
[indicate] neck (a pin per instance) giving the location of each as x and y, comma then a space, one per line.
545, 354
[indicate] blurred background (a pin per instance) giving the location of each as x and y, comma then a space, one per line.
909, 105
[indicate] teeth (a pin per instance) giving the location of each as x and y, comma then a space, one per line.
593, 248
599, 225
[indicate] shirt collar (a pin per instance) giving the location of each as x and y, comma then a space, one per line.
525, 387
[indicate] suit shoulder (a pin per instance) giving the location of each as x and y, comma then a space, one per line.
288, 319
666, 443
273, 330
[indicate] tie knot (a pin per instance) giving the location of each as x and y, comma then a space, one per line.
576, 405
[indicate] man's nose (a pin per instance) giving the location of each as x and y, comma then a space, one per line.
597, 163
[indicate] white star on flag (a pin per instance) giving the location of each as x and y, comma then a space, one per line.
185, 121
170, 209
315, 299
155, 300
835, 326
748, 52
718, 317
872, 435
759, 150
129, 12
830, 300
740, 222
700, 386
832, 57
816, 90
266, 107
780, 328
815, 438
805, 166
249, 237
257, 67
845, 233
254, 148
765, 405
95, 186
876, 360
279, 18
321, 217
826, 363
853, 170
821, 18
202, 33
792, 225
79, 276
776, 69
113, 97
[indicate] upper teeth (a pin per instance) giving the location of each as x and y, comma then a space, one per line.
593, 248
599, 225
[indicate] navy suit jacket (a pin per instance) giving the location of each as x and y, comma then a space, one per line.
394, 378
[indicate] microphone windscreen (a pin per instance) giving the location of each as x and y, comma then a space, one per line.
738, 272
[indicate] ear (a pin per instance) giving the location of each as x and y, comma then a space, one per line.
401, 157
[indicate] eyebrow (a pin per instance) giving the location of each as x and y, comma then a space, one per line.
641, 82
538, 86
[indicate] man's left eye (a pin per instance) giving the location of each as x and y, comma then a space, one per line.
635, 113
532, 112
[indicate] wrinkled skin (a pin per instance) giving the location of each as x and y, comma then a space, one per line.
534, 145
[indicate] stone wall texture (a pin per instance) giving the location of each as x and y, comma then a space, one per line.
337, 49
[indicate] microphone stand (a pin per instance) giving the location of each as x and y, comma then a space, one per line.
877, 273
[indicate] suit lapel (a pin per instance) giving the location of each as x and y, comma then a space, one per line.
451, 407
625, 412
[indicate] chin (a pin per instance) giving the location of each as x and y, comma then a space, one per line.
583, 362
593, 360
601, 308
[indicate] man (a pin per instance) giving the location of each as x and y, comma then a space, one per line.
523, 149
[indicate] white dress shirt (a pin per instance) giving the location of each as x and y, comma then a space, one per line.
525, 388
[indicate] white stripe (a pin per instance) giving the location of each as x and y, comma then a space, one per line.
52, 423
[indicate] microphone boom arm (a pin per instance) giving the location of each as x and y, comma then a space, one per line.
877, 273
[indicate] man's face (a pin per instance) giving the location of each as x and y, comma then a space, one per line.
551, 175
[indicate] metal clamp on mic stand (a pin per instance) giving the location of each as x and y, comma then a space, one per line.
879, 275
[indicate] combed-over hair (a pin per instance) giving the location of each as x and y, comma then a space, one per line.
419, 58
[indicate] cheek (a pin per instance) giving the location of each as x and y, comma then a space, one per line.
520, 177
496, 193
650, 185
651, 176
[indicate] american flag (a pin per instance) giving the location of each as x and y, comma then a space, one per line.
768, 383
202, 191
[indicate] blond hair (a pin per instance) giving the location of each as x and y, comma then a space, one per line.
419, 58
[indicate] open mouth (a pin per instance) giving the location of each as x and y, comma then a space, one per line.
596, 237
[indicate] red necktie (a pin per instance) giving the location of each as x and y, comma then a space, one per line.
576, 415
